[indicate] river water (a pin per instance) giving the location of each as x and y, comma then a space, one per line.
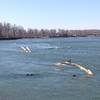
49, 82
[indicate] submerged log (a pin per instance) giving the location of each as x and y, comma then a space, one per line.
87, 71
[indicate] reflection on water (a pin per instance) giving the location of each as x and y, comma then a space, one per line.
34, 76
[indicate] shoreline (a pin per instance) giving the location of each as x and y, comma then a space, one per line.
15, 38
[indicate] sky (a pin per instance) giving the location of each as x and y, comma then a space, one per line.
51, 14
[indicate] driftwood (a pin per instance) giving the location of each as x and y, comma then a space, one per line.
87, 71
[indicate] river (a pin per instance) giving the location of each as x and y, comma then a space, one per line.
49, 82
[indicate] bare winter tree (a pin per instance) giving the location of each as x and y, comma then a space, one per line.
8, 31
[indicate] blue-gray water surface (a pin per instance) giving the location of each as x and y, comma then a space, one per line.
49, 82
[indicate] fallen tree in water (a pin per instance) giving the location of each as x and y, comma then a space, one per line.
87, 71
